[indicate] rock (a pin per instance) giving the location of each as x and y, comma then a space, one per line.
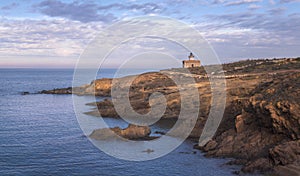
99, 87
105, 133
239, 123
58, 91
261, 164
148, 151
288, 170
237, 162
133, 132
263, 132
286, 153
25, 93
106, 108
210, 145
159, 132
103, 84
184, 152
261, 122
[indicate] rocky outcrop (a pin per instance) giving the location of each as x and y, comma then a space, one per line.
261, 122
285, 153
58, 91
265, 135
99, 87
104, 108
132, 132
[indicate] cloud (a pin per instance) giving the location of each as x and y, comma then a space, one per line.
10, 6
241, 2
89, 11
259, 21
51, 38
234, 43
218, 1
256, 35
277, 11
84, 12
235, 28
288, 1
254, 7
145, 8
272, 2
235, 2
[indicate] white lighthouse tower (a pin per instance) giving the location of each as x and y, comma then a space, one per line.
191, 56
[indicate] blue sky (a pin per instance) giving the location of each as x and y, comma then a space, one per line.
53, 33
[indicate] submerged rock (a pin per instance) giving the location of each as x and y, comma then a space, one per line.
25, 93
148, 151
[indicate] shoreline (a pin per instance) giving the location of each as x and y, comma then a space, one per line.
261, 123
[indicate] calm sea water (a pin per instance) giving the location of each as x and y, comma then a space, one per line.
40, 135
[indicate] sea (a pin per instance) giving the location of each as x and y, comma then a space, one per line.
40, 134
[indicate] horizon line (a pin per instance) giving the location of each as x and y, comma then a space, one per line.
74, 67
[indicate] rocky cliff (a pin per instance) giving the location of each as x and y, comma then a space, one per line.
264, 136
261, 123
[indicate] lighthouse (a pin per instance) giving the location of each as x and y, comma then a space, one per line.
191, 62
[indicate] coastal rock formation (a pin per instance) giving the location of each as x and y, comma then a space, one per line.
266, 134
261, 123
132, 132
286, 153
261, 116
58, 91
107, 109
99, 87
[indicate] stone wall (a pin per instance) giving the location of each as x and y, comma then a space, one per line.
191, 63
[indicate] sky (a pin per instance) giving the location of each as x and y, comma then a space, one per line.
54, 33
